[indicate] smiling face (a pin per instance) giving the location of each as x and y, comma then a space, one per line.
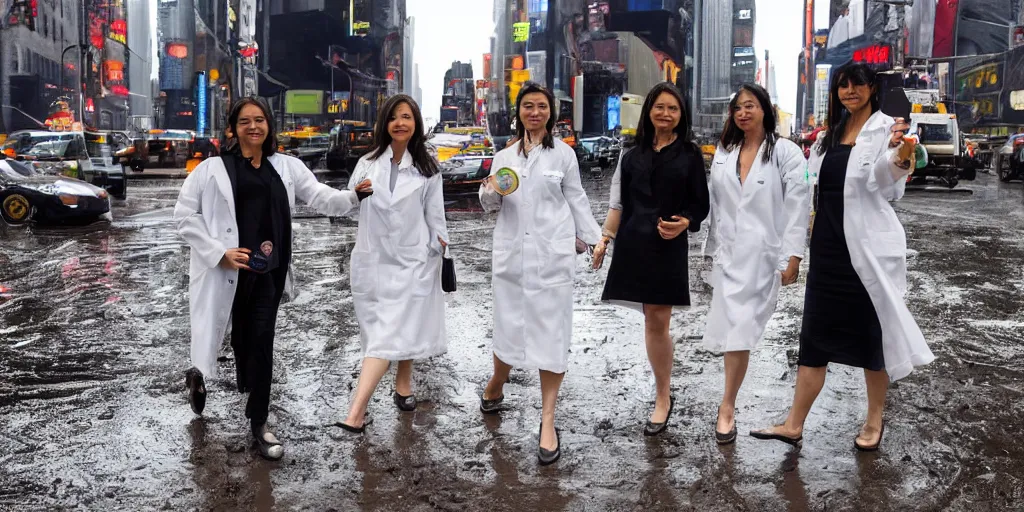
402, 124
666, 112
854, 96
747, 114
252, 127
535, 111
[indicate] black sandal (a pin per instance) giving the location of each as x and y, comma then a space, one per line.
196, 387
653, 429
872, 448
405, 403
547, 457
728, 437
270, 449
367, 420
792, 441
491, 406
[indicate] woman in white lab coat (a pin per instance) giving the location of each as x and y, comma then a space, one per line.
396, 263
854, 312
659, 193
534, 259
234, 212
759, 209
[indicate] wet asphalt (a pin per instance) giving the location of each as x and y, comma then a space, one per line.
94, 345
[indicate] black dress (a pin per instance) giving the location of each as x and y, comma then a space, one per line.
840, 324
263, 214
645, 268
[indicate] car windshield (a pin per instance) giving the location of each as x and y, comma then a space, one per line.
935, 133
14, 170
50, 145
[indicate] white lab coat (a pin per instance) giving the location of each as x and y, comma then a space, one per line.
205, 217
877, 241
755, 229
534, 259
396, 264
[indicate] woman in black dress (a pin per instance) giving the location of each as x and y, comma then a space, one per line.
853, 308
659, 191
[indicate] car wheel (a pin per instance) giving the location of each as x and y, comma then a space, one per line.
1005, 171
16, 209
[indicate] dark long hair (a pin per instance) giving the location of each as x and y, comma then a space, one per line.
269, 145
417, 148
530, 88
645, 130
838, 115
732, 136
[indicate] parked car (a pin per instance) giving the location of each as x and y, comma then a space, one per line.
464, 173
26, 194
311, 149
86, 156
599, 153
1009, 158
349, 145
949, 157
168, 148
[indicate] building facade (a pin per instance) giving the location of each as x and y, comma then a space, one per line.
140, 59
32, 73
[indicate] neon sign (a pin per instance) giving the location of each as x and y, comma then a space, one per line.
119, 31
877, 54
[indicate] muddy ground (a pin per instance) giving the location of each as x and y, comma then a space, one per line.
94, 343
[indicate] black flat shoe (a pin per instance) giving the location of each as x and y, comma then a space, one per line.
405, 403
728, 437
491, 406
196, 387
356, 430
270, 448
872, 448
548, 457
792, 441
653, 429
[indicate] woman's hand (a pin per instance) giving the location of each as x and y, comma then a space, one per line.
236, 259
792, 272
444, 245
364, 189
671, 230
898, 131
599, 251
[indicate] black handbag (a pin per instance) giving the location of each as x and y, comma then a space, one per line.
447, 273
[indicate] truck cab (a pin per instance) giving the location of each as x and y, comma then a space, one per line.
939, 134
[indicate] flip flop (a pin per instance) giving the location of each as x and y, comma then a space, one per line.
792, 441
872, 448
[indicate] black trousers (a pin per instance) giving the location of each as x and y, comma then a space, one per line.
253, 321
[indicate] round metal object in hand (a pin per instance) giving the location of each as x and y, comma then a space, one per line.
506, 181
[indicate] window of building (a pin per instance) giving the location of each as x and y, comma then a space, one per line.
537, 6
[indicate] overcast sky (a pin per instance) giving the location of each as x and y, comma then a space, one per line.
462, 31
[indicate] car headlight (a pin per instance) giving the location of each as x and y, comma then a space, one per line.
68, 199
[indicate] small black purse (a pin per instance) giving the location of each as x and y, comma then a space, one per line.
447, 272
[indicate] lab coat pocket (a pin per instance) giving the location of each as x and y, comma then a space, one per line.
890, 249
557, 261
363, 272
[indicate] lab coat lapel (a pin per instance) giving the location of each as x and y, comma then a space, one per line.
224, 183
408, 178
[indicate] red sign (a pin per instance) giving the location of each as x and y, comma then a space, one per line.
877, 54
177, 50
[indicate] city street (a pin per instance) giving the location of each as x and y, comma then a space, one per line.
95, 330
